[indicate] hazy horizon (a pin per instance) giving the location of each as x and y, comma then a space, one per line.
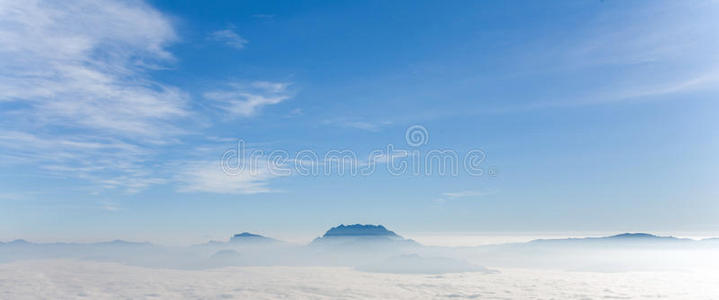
446, 239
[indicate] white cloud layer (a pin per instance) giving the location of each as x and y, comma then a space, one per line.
94, 280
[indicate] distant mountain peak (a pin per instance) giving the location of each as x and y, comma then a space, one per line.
365, 235
635, 236
359, 230
247, 235
19, 242
245, 238
250, 237
122, 243
622, 238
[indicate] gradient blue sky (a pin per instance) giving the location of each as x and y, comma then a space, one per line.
596, 115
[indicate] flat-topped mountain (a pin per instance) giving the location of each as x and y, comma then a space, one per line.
359, 230
359, 235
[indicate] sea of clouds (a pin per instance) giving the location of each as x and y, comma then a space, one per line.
76, 279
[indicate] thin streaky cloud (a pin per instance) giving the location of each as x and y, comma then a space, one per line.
358, 124
209, 177
82, 104
245, 100
75, 65
229, 38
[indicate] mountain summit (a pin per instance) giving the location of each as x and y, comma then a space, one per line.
358, 230
250, 237
647, 236
246, 235
364, 236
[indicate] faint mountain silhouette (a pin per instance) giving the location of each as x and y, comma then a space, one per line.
251, 237
243, 239
623, 238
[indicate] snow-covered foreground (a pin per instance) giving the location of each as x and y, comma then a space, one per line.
69, 279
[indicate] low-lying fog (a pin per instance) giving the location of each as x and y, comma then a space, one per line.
363, 261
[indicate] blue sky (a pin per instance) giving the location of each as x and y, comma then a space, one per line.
593, 115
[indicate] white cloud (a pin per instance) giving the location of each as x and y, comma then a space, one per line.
108, 162
208, 176
439, 201
229, 37
656, 50
79, 100
109, 206
358, 124
245, 100
82, 64
363, 125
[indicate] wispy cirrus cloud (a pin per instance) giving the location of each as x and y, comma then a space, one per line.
245, 100
107, 162
652, 52
209, 177
75, 91
229, 37
461, 194
358, 124
77, 98
82, 64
